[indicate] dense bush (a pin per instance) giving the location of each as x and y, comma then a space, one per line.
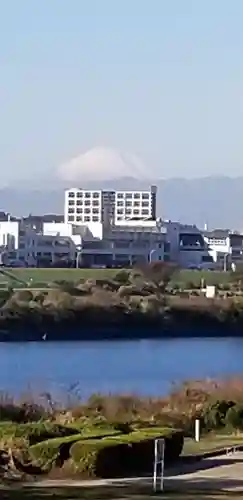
34, 432
214, 415
123, 456
234, 417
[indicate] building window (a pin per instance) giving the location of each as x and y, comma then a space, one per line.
120, 203
79, 202
95, 210
128, 203
71, 210
120, 211
96, 203
136, 203
136, 196
145, 212
87, 203
71, 218
79, 218
120, 195
86, 218
128, 211
87, 194
87, 210
80, 194
136, 212
128, 196
145, 196
96, 195
145, 203
71, 203
95, 218
79, 210
119, 218
71, 194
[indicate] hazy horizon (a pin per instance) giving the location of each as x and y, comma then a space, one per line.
158, 82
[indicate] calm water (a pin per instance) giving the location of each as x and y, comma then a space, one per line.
143, 367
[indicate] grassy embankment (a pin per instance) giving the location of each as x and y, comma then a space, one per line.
152, 298
37, 277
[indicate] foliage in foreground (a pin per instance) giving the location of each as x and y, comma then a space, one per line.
114, 435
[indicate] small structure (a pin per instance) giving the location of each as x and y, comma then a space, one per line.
210, 291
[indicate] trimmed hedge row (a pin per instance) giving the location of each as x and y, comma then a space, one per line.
34, 432
47, 450
115, 455
125, 455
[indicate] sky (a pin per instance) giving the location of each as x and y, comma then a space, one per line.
158, 79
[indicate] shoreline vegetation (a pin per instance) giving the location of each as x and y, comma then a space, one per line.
113, 436
144, 302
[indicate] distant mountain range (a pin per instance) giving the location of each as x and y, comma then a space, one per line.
216, 201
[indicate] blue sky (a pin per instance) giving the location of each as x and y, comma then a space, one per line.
162, 79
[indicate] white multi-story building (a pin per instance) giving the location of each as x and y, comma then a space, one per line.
86, 206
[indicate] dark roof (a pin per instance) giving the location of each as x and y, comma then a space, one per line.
217, 233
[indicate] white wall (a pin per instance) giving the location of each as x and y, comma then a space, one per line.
9, 234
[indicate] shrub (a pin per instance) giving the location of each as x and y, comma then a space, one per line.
122, 277
214, 415
234, 417
22, 296
35, 432
48, 449
123, 456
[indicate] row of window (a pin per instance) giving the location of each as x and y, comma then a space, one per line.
78, 210
135, 211
85, 218
133, 203
86, 203
120, 195
136, 195
83, 194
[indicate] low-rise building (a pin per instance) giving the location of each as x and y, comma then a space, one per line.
225, 246
188, 247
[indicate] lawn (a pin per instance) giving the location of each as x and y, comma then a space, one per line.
213, 443
41, 276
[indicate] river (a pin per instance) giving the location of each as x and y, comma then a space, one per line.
148, 367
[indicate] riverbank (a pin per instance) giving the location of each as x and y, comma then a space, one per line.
138, 303
113, 436
57, 315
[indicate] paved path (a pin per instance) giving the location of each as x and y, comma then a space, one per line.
218, 473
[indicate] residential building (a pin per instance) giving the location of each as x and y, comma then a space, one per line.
225, 246
23, 245
124, 244
188, 247
85, 206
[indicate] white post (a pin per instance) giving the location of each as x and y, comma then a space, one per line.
159, 456
197, 430
155, 465
162, 465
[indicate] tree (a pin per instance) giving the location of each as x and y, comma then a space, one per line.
159, 274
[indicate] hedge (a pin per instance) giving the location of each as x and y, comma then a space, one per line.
34, 432
124, 455
48, 449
